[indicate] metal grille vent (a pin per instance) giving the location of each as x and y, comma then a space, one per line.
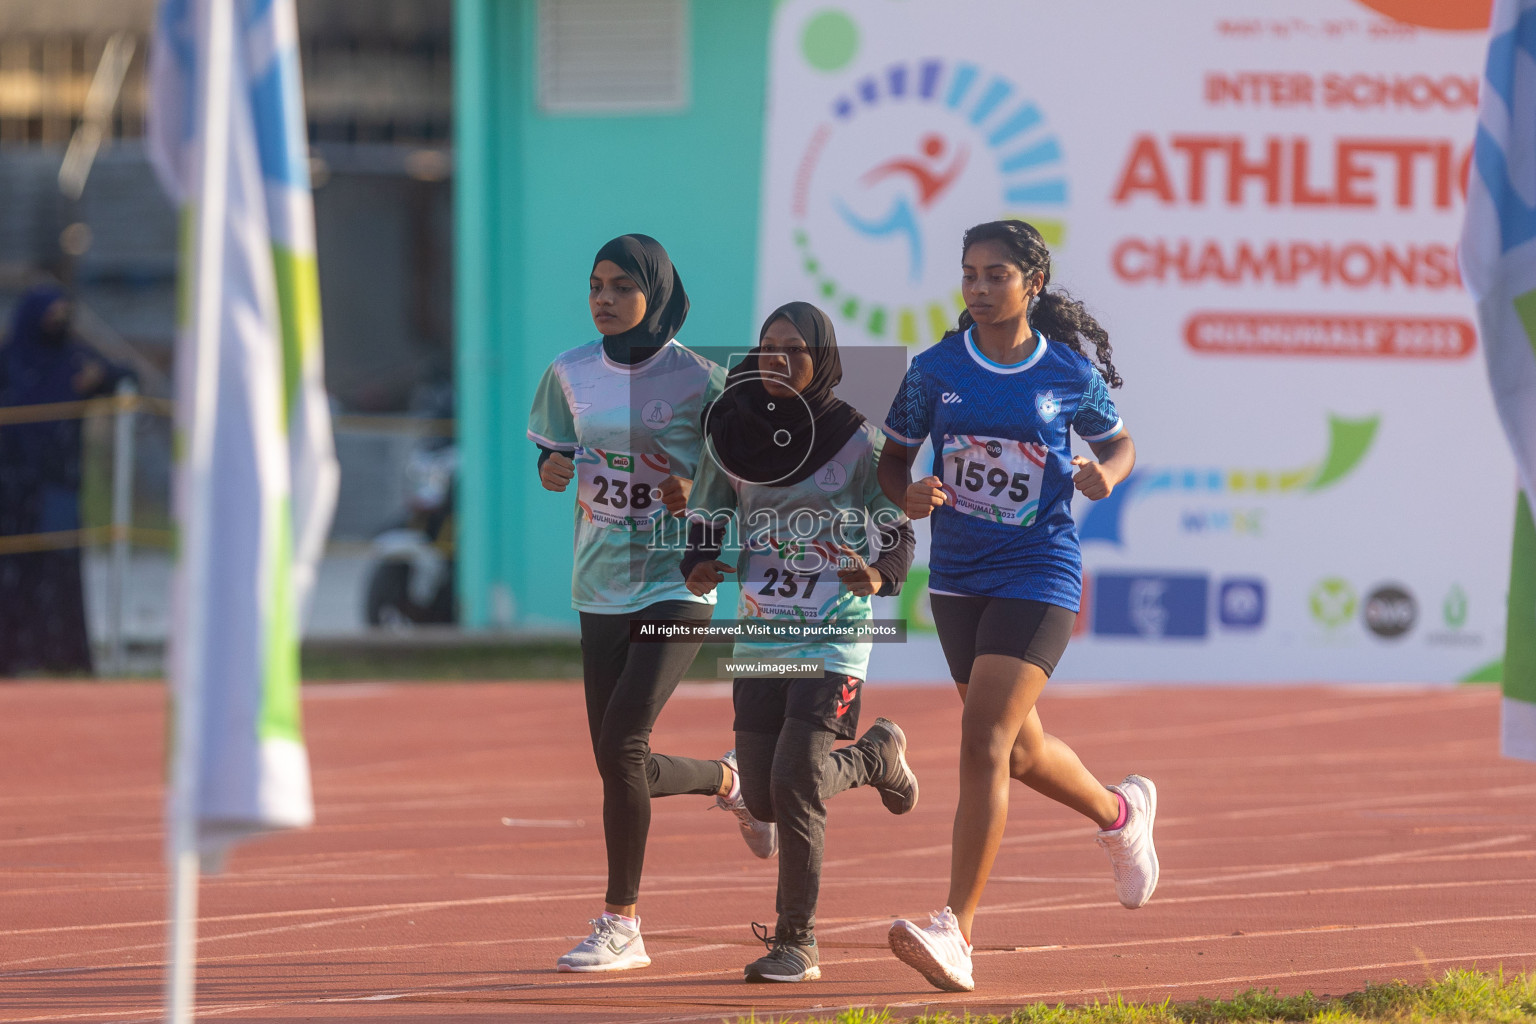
598, 56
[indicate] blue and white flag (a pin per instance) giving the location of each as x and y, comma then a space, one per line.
1498, 261
256, 474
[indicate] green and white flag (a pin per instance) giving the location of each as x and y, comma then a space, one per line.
256, 472
1498, 261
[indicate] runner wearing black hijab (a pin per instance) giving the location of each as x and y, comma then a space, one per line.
622, 417
796, 465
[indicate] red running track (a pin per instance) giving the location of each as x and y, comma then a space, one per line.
1311, 839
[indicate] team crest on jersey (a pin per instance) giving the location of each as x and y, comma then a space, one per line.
831, 477
1047, 405
656, 414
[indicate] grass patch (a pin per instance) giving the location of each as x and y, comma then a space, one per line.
1461, 997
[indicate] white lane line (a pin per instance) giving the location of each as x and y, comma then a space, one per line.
614, 996
1292, 719
823, 1010
1271, 811
330, 913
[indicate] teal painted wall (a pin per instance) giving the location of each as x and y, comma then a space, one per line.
537, 194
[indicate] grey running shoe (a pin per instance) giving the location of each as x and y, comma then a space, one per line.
1130, 846
896, 782
762, 836
612, 946
938, 952
784, 961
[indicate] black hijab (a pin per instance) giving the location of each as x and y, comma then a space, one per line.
666, 304
747, 425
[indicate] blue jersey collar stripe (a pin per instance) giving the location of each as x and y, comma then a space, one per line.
1111, 432
982, 361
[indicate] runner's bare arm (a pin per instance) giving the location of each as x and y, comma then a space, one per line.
1116, 457
895, 474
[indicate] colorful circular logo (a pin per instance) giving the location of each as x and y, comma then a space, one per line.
908, 159
1333, 602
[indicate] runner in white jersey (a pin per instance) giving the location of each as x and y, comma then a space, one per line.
794, 468
620, 417
997, 399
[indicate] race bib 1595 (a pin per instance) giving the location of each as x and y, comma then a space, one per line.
993, 477
618, 490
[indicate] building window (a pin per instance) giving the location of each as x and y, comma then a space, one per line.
613, 56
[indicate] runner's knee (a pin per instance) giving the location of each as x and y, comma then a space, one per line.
794, 787
622, 755
984, 746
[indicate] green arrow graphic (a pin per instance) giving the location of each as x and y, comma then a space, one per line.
1348, 443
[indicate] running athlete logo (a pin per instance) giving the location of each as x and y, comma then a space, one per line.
931, 182
950, 397
909, 154
1047, 405
850, 690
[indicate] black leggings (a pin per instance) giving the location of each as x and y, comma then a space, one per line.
627, 686
788, 773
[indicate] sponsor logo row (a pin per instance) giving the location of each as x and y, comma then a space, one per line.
1190, 605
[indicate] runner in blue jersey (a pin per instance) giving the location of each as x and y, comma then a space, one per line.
997, 399
620, 417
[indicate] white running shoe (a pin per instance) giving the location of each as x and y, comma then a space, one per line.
1130, 846
612, 946
762, 836
938, 952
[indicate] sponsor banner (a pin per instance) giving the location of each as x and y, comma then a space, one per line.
1263, 209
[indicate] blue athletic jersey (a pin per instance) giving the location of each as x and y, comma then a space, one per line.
1000, 446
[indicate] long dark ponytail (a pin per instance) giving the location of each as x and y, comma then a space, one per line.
1054, 313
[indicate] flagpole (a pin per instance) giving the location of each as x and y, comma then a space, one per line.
210, 201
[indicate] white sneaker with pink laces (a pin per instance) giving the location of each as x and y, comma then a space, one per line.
1130, 847
938, 952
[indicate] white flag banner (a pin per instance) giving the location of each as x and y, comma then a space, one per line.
256, 473
1498, 261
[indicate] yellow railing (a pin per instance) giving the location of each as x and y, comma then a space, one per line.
86, 407
88, 536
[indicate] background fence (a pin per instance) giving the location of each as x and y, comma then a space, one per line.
127, 535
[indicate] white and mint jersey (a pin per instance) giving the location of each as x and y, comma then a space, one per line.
789, 539
630, 427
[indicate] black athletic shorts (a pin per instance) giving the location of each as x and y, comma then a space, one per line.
968, 627
831, 702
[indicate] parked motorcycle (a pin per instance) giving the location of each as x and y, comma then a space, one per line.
412, 582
